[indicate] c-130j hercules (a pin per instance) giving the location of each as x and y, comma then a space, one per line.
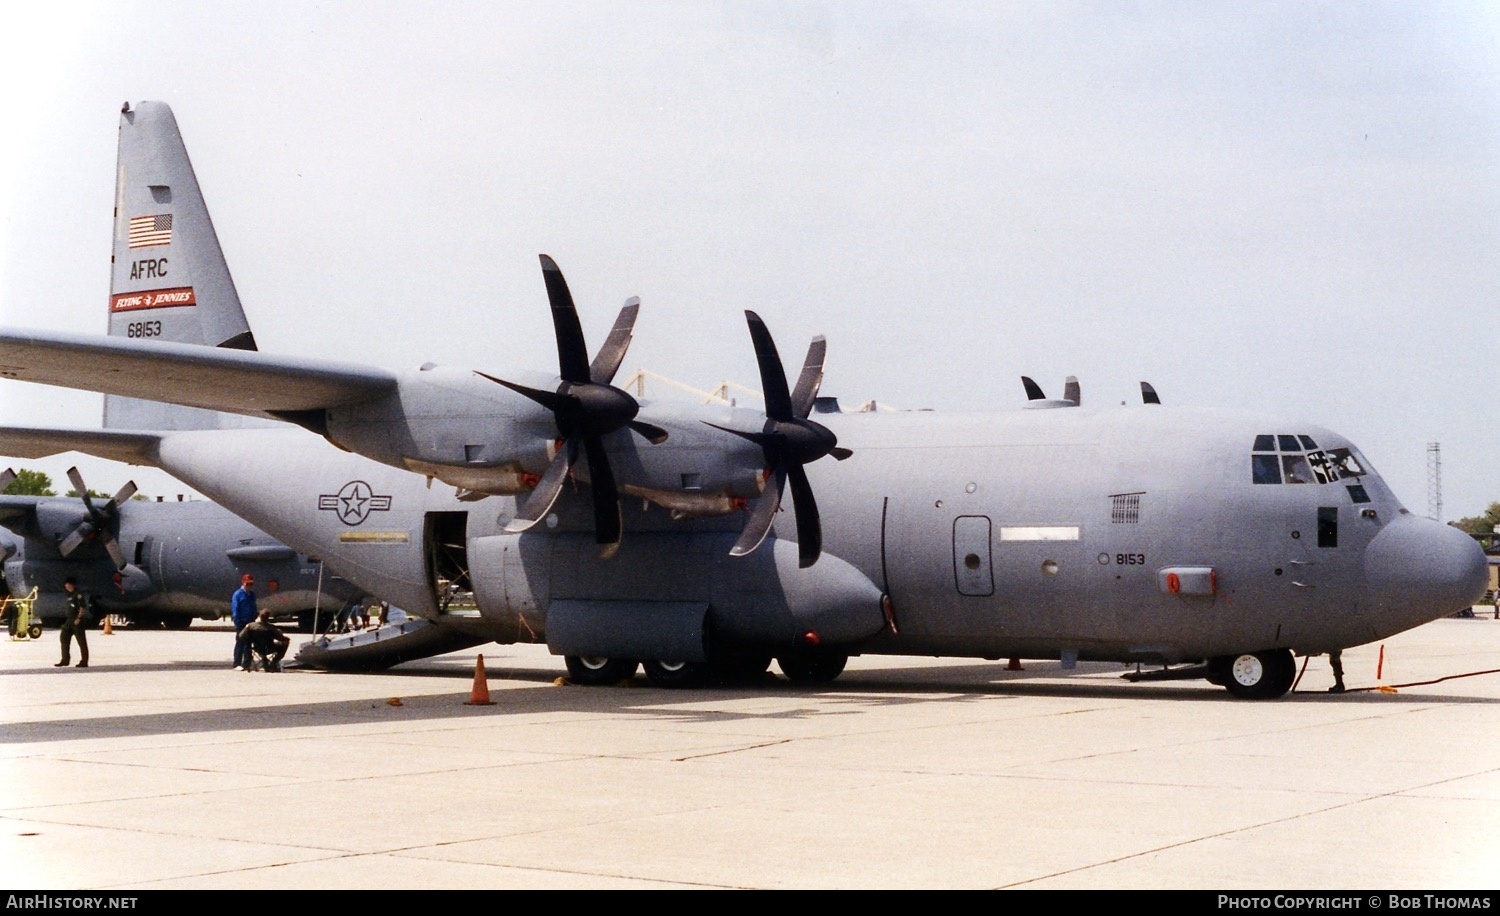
1206, 543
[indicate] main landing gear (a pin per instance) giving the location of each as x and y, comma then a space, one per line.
596, 671
1254, 675
737, 668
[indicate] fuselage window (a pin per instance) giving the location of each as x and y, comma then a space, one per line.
1358, 494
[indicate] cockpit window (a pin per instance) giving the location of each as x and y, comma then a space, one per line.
1295, 469
1347, 464
1265, 468
1287, 458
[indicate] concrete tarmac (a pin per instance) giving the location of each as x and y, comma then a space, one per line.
159, 767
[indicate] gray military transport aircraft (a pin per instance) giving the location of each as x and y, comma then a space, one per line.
153, 563
1204, 544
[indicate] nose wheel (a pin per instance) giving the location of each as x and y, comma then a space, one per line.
1254, 675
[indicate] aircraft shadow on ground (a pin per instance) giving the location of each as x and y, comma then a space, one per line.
853, 693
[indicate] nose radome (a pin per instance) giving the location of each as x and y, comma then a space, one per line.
1418, 570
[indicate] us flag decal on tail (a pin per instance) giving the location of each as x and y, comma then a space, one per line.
146, 231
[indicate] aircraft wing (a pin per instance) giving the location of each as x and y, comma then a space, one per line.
41, 442
235, 381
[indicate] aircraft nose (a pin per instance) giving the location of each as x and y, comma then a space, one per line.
1418, 570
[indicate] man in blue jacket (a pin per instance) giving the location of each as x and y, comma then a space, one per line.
242, 613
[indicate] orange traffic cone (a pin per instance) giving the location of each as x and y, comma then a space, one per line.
480, 695
108, 630
1015, 665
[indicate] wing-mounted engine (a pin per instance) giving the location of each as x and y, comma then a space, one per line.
100, 524
76, 530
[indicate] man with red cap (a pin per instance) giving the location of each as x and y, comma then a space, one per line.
242, 613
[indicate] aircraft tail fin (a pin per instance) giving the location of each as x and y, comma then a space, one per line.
169, 280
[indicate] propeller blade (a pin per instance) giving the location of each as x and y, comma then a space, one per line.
572, 352
7, 477
761, 518
123, 497
112, 547
811, 378
1071, 390
81, 490
548, 399
650, 432
1148, 394
809, 526
772, 375
1033, 390
607, 520
539, 503
75, 539
607, 361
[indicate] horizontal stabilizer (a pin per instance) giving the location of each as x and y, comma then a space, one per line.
39, 442
236, 381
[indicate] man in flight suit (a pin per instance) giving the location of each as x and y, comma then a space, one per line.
75, 625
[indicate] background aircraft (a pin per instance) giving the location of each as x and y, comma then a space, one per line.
1211, 544
154, 563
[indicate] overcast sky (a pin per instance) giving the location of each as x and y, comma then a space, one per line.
1279, 207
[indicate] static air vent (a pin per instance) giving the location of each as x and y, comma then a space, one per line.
1125, 509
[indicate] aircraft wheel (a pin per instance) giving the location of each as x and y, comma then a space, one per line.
597, 671
35, 631
1256, 676
305, 621
812, 667
177, 621
675, 674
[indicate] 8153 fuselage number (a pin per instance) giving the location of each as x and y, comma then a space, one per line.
143, 329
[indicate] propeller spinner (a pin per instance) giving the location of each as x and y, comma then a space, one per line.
789, 440
586, 408
96, 523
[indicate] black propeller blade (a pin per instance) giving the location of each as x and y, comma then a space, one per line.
1148, 394
789, 441
96, 523
587, 408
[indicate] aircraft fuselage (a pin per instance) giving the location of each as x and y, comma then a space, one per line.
1131, 534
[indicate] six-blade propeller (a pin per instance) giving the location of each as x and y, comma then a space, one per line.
789, 440
586, 408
